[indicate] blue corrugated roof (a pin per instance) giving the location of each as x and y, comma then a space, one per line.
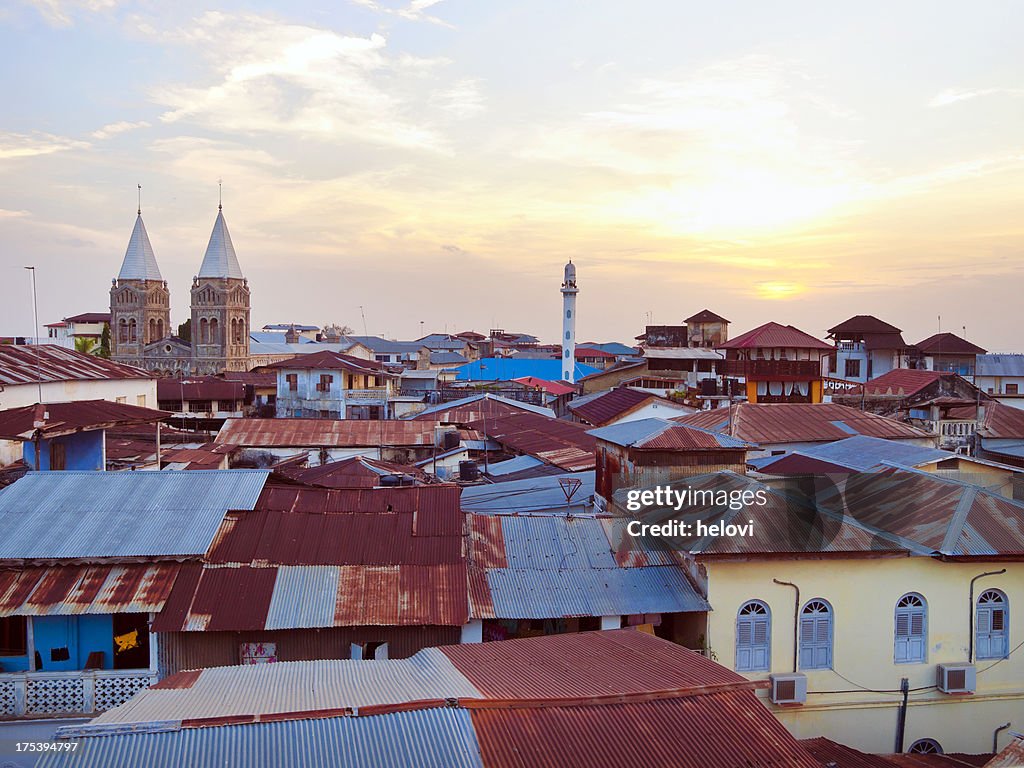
508, 368
535, 494
862, 453
518, 464
633, 432
430, 738
63, 515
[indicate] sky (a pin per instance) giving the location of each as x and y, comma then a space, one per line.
434, 163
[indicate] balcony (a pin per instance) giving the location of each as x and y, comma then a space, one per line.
78, 692
851, 346
772, 370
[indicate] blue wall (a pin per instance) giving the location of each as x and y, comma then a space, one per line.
83, 450
81, 635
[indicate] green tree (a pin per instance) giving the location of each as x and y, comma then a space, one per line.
86, 345
185, 331
104, 350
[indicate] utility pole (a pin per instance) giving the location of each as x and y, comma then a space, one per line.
35, 334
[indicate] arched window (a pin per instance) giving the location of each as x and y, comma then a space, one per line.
204, 331
753, 637
991, 627
568, 334
568, 313
234, 331
152, 330
214, 331
911, 630
566, 354
925, 747
132, 331
159, 329
816, 635
122, 331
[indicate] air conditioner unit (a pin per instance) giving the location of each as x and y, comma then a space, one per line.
788, 688
956, 678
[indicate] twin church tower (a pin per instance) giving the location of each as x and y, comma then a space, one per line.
141, 333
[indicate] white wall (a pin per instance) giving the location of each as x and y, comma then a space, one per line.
18, 395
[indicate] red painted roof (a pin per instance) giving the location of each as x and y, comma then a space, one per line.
948, 344
328, 360
903, 382
705, 316
89, 317
828, 751
201, 388
54, 419
591, 352
859, 324
765, 424
775, 335
551, 387
563, 444
354, 472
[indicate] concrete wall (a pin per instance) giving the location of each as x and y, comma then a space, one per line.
863, 595
18, 395
81, 635
83, 450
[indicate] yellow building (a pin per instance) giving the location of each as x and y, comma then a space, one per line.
890, 575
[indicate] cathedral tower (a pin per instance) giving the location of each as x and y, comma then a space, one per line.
220, 307
140, 303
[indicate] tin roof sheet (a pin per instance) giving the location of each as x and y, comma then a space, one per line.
615, 403
775, 335
46, 362
55, 419
327, 433
353, 472
564, 444
298, 686
475, 407
948, 344
999, 365
902, 382
64, 515
862, 453
1002, 422
766, 424
534, 494
86, 589
508, 368
428, 738
663, 434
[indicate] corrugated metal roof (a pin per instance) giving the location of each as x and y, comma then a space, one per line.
220, 259
139, 260
518, 464
429, 738
902, 382
328, 433
949, 344
618, 662
553, 593
681, 353
663, 434
725, 730
80, 589
475, 407
63, 515
46, 362
563, 444
550, 567
999, 365
1002, 422
535, 494
769, 423
616, 403
862, 453
55, 419
353, 472
304, 596
297, 686
827, 751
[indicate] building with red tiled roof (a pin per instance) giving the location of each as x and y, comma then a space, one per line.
778, 363
866, 347
948, 352
623, 404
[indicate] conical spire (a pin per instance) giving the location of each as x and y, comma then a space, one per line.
220, 259
139, 261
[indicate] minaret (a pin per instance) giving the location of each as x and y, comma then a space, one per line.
569, 291
140, 304
220, 307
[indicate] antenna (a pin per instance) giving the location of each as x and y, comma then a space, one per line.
363, 314
220, 194
140, 199
35, 347
569, 486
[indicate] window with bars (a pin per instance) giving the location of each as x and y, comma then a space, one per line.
753, 637
911, 630
816, 635
992, 636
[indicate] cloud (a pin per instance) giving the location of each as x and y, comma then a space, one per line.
290, 79
6, 214
954, 95
14, 145
113, 129
60, 13
413, 11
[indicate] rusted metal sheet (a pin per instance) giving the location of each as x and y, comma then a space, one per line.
731, 729
402, 595
564, 444
56, 419
47, 362
80, 589
769, 423
354, 472
326, 433
487, 544
232, 598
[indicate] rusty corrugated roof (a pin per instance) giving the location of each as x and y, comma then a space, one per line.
564, 444
56, 419
768, 423
47, 362
60, 590
326, 433
353, 472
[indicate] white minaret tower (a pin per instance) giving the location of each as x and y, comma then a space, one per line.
569, 291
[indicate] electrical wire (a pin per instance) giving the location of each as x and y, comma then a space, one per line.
1000, 661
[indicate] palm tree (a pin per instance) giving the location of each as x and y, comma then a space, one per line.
86, 345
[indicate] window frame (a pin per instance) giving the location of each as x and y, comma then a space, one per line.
815, 620
752, 648
983, 639
915, 644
